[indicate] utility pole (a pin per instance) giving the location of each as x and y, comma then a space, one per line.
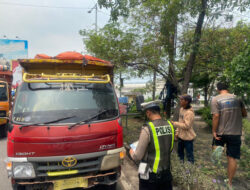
96, 9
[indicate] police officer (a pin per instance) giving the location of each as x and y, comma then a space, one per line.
153, 151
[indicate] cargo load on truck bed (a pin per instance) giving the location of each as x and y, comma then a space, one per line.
88, 65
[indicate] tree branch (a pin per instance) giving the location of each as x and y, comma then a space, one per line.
154, 67
165, 75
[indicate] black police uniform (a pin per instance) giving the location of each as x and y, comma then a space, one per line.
158, 156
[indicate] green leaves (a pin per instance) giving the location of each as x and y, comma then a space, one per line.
218, 47
149, 36
238, 74
110, 43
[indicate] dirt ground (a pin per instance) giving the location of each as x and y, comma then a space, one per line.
202, 153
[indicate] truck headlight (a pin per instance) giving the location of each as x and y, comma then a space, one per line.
110, 161
113, 159
23, 170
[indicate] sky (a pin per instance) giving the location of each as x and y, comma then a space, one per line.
50, 26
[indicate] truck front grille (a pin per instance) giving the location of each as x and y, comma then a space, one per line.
83, 166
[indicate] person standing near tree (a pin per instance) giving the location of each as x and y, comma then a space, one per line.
185, 132
227, 112
153, 151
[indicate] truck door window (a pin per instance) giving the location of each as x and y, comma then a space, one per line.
3, 92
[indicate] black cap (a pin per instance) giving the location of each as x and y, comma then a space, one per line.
186, 97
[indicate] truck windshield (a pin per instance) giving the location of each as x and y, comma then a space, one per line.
43, 102
3, 92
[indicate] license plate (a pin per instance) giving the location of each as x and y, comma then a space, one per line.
71, 183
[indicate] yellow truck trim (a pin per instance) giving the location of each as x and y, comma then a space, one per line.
65, 77
60, 173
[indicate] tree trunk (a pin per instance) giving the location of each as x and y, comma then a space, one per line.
154, 85
194, 51
195, 48
176, 111
205, 96
121, 83
171, 71
168, 108
211, 90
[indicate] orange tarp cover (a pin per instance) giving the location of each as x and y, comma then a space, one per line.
88, 57
70, 55
42, 56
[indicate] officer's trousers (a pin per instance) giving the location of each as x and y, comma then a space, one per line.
161, 181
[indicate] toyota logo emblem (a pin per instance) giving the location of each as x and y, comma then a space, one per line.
69, 162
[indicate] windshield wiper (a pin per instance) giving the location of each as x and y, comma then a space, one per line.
48, 122
87, 120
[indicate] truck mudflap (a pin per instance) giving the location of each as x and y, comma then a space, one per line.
76, 182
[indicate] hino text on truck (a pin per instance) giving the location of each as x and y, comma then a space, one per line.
65, 129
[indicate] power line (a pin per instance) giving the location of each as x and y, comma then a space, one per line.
41, 6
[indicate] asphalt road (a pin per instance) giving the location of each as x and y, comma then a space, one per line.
5, 182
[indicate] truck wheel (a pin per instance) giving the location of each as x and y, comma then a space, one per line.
18, 187
110, 187
3, 131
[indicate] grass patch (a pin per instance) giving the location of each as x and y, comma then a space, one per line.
203, 174
206, 115
132, 131
245, 149
192, 176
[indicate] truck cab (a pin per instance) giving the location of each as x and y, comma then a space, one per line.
5, 99
65, 129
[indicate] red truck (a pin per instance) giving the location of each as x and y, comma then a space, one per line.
65, 130
5, 98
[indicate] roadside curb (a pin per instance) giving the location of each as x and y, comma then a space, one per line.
129, 176
124, 182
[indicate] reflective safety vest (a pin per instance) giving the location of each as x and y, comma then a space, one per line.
161, 145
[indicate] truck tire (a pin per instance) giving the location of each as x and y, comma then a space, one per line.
18, 187
3, 131
111, 187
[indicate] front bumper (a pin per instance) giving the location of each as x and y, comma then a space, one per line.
69, 182
93, 166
